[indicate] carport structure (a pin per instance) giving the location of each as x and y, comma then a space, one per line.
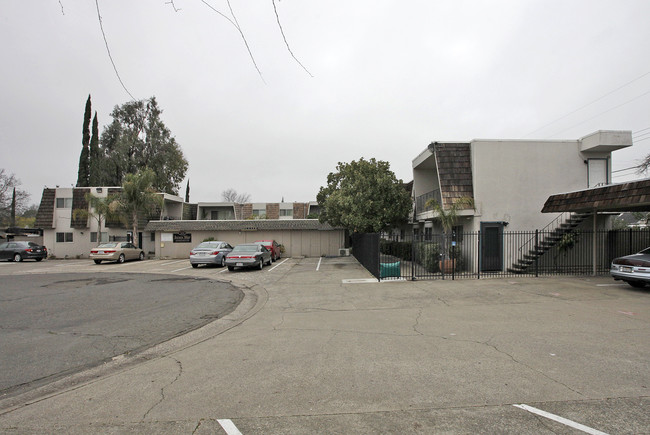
614, 198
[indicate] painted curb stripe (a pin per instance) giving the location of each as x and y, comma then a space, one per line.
229, 427
559, 419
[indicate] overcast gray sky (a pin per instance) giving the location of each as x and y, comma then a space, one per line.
389, 77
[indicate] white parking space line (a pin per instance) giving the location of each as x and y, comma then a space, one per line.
561, 420
173, 262
319, 260
278, 264
229, 427
182, 268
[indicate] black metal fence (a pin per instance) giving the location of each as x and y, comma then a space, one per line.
365, 248
476, 255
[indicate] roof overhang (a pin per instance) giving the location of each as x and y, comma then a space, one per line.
624, 197
606, 141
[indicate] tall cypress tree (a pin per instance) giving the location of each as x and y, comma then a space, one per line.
94, 168
187, 191
84, 159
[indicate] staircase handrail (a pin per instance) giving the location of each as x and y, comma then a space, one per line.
562, 217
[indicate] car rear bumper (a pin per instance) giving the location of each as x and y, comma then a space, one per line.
208, 259
630, 276
106, 257
243, 262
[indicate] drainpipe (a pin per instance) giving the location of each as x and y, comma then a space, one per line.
595, 238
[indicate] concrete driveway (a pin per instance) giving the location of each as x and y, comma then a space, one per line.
309, 352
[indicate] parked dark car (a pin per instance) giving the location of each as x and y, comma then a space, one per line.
272, 246
633, 269
248, 255
19, 251
210, 253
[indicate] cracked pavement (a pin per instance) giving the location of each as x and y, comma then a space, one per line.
314, 355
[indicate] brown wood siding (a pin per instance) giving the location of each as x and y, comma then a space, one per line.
45, 214
454, 164
79, 202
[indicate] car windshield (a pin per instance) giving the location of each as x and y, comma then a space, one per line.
245, 248
108, 245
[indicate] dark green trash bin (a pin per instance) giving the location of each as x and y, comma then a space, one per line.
390, 270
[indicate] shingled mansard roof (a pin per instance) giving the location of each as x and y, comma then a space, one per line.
239, 225
454, 162
632, 196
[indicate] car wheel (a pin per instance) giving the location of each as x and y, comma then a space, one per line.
636, 284
270, 261
98, 261
231, 268
273, 259
38, 259
261, 266
18, 258
121, 258
223, 261
195, 265
141, 257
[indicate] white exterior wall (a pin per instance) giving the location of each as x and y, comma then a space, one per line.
513, 179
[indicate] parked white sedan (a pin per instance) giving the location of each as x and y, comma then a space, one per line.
116, 251
633, 269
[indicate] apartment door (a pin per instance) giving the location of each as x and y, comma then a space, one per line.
597, 172
491, 246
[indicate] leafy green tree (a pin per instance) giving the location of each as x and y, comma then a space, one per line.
83, 174
364, 196
138, 139
138, 198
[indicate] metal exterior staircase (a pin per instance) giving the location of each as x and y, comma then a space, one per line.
548, 238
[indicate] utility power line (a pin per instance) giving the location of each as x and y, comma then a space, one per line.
589, 104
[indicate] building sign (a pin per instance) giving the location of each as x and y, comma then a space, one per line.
182, 237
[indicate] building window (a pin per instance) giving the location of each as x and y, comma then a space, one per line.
93, 237
259, 212
64, 237
64, 203
427, 233
286, 212
153, 237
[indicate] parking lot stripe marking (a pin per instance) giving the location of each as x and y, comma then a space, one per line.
319, 260
172, 262
182, 268
278, 264
559, 419
229, 427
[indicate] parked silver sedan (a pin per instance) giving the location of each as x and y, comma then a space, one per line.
633, 269
248, 255
116, 251
210, 253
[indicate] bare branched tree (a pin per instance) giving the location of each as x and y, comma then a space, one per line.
231, 195
644, 166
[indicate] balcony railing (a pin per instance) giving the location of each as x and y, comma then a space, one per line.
421, 201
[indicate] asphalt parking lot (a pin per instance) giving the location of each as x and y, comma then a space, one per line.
322, 349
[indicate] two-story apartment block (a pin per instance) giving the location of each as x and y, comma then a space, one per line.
70, 235
261, 210
509, 182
